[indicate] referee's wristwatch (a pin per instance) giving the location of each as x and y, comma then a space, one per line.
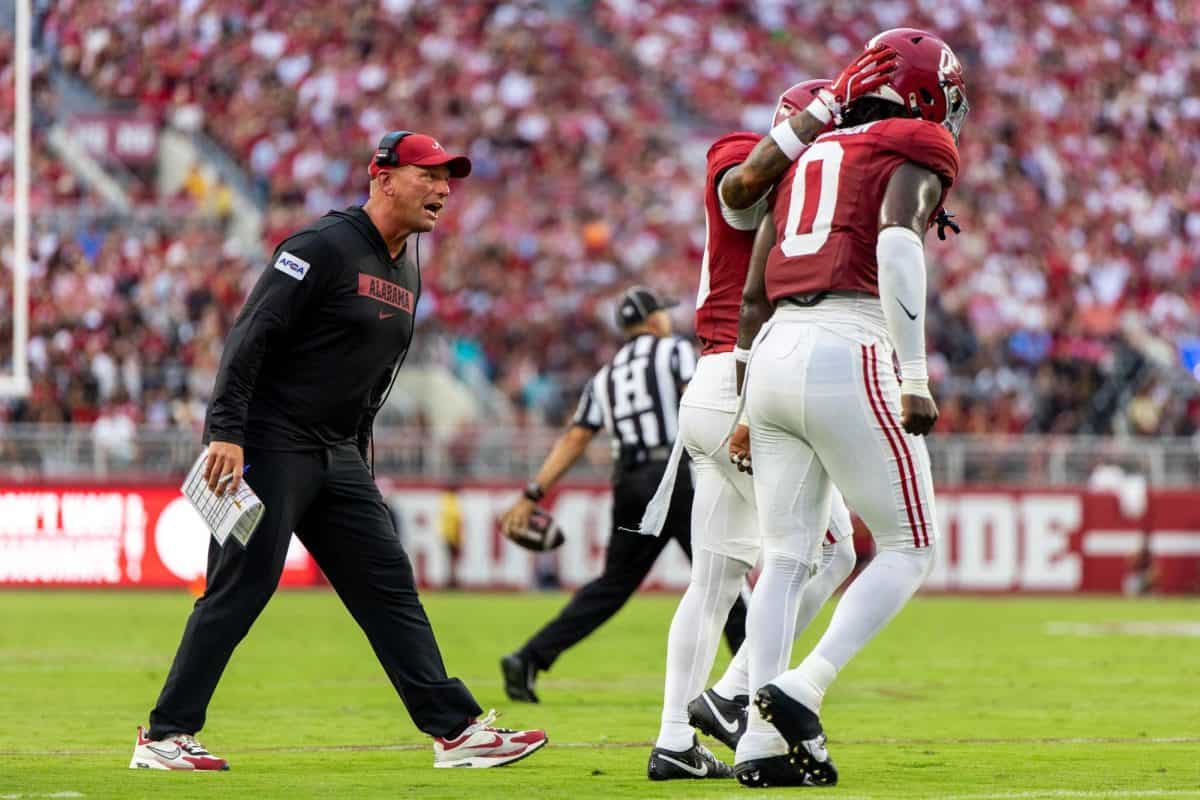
534, 491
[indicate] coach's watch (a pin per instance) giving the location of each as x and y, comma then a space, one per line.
534, 491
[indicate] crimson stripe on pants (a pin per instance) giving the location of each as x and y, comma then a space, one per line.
912, 523
907, 454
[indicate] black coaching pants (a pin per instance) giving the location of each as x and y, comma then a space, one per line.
629, 558
330, 500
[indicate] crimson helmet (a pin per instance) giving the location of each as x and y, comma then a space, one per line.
797, 98
928, 80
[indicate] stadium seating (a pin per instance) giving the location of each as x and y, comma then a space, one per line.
1059, 309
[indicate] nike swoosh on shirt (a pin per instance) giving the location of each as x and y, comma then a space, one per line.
385, 315
699, 773
731, 727
911, 315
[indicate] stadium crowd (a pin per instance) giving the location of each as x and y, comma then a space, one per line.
1060, 308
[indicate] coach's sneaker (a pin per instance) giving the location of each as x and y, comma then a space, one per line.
724, 720
763, 773
801, 728
695, 762
177, 751
519, 676
484, 745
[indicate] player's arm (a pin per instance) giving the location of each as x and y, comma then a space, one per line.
755, 310
912, 197
285, 287
568, 449
746, 184
589, 418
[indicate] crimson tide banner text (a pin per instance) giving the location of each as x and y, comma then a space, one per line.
1005, 540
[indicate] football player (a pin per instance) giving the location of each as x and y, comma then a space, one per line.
846, 272
742, 169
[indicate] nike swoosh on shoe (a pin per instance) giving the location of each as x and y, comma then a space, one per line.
700, 772
731, 727
167, 754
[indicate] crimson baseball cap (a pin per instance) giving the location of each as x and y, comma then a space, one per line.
401, 148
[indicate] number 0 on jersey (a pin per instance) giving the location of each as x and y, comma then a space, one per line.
815, 183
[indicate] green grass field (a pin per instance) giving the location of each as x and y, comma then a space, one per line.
962, 698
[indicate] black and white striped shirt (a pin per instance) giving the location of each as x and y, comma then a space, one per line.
635, 397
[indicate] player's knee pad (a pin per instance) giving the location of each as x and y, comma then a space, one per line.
920, 557
787, 565
717, 577
839, 558
792, 544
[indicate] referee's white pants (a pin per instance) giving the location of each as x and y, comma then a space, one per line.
824, 409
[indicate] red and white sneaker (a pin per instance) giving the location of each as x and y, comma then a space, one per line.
177, 751
483, 745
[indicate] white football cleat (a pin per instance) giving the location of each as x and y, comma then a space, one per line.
177, 751
483, 745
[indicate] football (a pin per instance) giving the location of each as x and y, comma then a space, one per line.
541, 534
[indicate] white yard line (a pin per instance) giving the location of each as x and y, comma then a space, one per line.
1126, 628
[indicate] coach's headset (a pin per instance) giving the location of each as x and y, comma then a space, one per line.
385, 154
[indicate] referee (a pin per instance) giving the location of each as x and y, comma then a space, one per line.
305, 368
635, 398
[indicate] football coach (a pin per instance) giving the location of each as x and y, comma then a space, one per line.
305, 368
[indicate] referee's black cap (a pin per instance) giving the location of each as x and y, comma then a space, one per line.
639, 302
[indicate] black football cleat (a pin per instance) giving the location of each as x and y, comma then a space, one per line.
763, 773
802, 729
724, 720
519, 676
692, 764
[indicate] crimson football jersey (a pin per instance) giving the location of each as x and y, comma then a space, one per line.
827, 209
726, 252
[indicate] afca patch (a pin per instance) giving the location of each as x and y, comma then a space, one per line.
292, 266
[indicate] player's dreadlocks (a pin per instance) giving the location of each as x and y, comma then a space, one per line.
871, 109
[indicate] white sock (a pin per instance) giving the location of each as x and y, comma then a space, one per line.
736, 679
837, 562
808, 682
868, 605
694, 638
770, 628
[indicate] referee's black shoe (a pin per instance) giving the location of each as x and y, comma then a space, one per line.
692, 764
519, 676
724, 720
802, 729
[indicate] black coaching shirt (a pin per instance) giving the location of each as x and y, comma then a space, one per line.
317, 342
635, 397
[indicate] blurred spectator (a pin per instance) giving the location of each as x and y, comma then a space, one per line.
587, 124
114, 430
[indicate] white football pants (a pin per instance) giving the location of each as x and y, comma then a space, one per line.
824, 409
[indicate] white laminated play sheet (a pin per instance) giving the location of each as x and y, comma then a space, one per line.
237, 513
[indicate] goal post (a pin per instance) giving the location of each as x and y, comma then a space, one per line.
16, 383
